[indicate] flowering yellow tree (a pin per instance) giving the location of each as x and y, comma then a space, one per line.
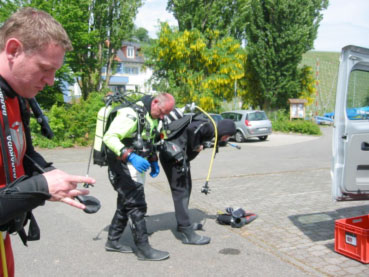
187, 65
307, 84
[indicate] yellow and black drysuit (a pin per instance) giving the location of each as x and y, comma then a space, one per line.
124, 141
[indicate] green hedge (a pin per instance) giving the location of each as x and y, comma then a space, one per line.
72, 124
297, 126
282, 123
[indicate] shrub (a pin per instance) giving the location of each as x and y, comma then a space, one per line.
296, 126
71, 124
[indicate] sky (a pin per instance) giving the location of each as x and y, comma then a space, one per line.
345, 22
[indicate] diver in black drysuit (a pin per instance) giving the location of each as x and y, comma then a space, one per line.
193, 134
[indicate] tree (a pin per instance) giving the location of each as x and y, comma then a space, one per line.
141, 34
51, 94
226, 16
307, 84
278, 33
96, 29
105, 24
186, 67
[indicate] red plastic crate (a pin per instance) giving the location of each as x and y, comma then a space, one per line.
351, 237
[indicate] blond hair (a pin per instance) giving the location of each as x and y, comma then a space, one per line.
35, 29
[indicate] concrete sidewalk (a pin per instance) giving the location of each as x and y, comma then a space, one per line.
286, 184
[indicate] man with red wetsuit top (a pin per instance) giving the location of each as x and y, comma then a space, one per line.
32, 48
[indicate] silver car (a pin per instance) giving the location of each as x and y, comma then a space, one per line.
250, 123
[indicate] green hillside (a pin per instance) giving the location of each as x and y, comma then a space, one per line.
325, 66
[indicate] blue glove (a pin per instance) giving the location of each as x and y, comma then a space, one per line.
138, 162
155, 169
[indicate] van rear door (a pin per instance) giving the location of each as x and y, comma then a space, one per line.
350, 163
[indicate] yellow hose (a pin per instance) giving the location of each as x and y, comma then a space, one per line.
215, 142
3, 255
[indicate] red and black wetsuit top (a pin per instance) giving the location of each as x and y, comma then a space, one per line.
15, 140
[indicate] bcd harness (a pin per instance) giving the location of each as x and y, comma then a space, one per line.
106, 115
178, 125
174, 149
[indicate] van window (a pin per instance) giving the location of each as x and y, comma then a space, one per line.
357, 103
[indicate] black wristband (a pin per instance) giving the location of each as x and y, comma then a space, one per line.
125, 153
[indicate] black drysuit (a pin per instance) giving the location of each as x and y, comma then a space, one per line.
189, 138
131, 201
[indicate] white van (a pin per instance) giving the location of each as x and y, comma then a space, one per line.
350, 163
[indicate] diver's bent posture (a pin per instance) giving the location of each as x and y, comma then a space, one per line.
189, 134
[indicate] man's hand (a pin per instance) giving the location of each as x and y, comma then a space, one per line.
138, 162
155, 169
63, 187
199, 148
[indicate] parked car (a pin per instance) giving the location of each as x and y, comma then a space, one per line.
250, 123
216, 117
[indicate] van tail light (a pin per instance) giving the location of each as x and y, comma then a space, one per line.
247, 123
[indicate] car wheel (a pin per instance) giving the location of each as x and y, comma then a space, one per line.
239, 137
263, 138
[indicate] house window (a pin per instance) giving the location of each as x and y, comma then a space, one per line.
130, 52
131, 70
120, 68
118, 88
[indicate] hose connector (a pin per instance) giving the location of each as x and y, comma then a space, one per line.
205, 189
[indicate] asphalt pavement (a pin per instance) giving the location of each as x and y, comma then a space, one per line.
285, 180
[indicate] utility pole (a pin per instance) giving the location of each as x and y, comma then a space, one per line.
235, 95
316, 86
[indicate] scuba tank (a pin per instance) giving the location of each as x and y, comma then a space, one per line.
99, 152
104, 117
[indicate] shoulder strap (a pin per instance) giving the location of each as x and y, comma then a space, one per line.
4, 156
141, 111
8, 144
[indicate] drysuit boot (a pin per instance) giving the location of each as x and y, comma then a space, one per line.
190, 237
144, 250
116, 229
116, 246
147, 253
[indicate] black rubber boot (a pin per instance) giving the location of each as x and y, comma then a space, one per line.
189, 236
116, 246
146, 253
144, 250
